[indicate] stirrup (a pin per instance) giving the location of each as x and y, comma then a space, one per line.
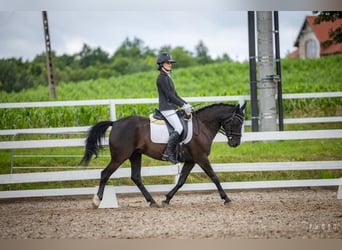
165, 157
170, 159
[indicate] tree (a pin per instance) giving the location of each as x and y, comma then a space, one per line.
202, 53
132, 56
133, 49
16, 75
224, 58
183, 57
92, 63
8, 74
89, 56
121, 65
330, 16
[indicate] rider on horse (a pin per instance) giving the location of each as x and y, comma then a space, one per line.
169, 102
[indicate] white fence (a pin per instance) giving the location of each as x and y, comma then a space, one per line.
246, 137
169, 170
173, 170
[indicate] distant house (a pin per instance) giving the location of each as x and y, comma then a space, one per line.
310, 38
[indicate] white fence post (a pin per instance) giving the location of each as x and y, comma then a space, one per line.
339, 191
178, 172
112, 110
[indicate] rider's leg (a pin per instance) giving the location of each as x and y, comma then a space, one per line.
170, 151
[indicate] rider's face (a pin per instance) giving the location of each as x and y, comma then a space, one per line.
167, 66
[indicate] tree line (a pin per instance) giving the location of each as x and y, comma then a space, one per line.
92, 63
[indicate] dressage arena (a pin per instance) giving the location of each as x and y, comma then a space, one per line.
305, 213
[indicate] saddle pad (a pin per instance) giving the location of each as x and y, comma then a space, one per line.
156, 121
160, 134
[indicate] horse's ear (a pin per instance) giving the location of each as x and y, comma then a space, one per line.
243, 107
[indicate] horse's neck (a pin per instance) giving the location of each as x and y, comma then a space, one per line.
212, 116
212, 123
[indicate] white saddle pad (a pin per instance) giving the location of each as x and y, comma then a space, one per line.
160, 134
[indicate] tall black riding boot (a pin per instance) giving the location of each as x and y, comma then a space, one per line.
170, 151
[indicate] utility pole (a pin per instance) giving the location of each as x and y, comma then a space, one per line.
253, 72
278, 71
266, 84
51, 75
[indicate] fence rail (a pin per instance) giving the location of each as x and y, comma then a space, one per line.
84, 129
246, 137
172, 170
77, 175
102, 102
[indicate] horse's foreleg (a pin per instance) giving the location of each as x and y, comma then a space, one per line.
210, 172
135, 160
182, 178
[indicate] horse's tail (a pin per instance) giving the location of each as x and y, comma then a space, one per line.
93, 142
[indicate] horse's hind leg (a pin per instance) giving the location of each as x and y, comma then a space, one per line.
135, 160
105, 174
182, 178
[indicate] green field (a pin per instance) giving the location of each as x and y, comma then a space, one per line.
299, 76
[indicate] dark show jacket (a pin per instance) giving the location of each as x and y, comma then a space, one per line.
168, 97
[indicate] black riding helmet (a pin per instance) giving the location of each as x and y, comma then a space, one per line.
164, 57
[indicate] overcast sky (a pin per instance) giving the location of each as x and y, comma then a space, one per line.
21, 32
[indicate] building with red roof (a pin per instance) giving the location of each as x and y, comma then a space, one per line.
311, 36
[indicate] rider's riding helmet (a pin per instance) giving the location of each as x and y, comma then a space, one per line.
164, 57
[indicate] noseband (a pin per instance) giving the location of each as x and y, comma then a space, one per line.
229, 120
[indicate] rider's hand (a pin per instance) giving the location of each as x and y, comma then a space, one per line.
187, 108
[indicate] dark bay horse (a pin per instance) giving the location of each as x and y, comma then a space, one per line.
130, 138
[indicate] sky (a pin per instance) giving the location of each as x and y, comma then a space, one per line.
21, 32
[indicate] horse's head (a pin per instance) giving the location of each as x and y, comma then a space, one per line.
232, 125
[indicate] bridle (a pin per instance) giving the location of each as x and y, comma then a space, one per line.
229, 120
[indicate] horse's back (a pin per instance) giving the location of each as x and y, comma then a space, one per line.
130, 126
131, 120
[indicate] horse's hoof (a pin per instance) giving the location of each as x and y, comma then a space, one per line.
154, 205
96, 201
165, 204
227, 202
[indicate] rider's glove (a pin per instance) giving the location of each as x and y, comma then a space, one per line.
187, 108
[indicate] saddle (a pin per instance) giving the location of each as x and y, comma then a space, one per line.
161, 129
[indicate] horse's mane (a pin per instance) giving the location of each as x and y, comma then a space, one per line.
214, 105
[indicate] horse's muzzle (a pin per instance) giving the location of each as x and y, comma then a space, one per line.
233, 143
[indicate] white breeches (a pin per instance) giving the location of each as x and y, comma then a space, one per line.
173, 119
